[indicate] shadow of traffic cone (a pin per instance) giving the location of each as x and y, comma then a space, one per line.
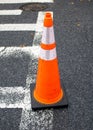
48, 91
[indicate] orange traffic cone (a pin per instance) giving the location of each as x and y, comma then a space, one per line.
48, 90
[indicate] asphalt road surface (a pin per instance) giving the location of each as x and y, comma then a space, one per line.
20, 36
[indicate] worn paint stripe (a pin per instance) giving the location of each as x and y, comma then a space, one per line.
10, 12
39, 28
8, 95
24, 1
17, 27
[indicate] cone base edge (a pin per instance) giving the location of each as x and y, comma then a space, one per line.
35, 105
48, 102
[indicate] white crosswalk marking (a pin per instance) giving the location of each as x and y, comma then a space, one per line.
24, 1
6, 100
17, 27
11, 12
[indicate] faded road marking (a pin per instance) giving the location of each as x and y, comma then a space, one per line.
11, 97
17, 27
10, 12
24, 1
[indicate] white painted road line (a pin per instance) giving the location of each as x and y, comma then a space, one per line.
39, 24
24, 1
17, 27
10, 12
7, 95
39, 27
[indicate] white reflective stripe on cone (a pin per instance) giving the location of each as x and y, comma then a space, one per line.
48, 35
48, 54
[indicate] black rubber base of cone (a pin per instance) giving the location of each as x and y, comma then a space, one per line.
37, 106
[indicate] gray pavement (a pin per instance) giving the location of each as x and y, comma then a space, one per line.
73, 24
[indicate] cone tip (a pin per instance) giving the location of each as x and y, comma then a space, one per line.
48, 15
48, 22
